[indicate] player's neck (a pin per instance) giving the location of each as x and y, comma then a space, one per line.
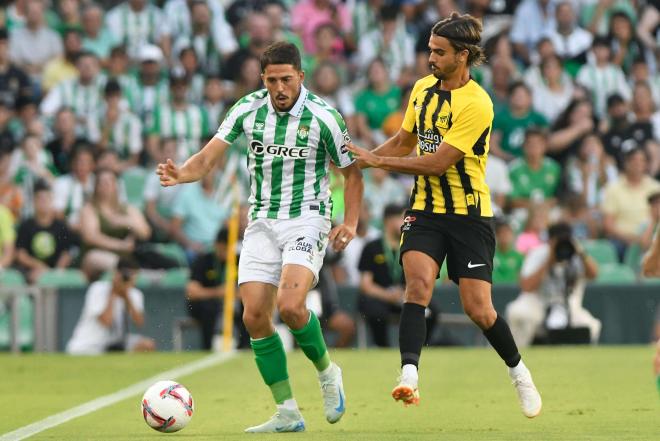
456, 81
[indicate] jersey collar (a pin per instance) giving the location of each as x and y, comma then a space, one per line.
297, 109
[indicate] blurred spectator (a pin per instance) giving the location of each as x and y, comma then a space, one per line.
34, 45
507, 261
501, 74
14, 83
65, 140
509, 125
535, 178
159, 201
206, 288
118, 66
248, 77
625, 205
277, 13
590, 171
650, 229
109, 229
614, 128
597, 15
602, 77
365, 19
202, 25
381, 190
645, 124
71, 191
179, 119
532, 20
43, 241
63, 68
327, 85
585, 222
136, 23
534, 233
25, 116
373, 104
96, 38
625, 45
7, 142
381, 280
553, 94
347, 271
10, 194
214, 103
307, 15
570, 128
148, 88
640, 72
68, 14
647, 29
533, 76
110, 307
570, 41
651, 260
112, 127
499, 184
326, 52
82, 94
34, 164
333, 318
196, 216
391, 43
260, 34
7, 237
553, 279
188, 64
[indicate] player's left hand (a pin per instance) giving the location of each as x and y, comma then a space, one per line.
364, 157
341, 236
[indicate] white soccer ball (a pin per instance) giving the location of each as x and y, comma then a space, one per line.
167, 406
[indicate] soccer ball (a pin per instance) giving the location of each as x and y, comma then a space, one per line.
167, 406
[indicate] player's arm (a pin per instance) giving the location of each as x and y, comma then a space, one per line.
195, 167
434, 164
399, 145
651, 260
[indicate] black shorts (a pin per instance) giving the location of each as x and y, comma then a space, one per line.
467, 242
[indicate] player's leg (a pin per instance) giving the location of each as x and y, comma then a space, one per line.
470, 263
420, 271
258, 303
303, 241
258, 276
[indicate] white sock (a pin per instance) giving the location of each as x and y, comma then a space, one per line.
325, 372
409, 371
289, 404
519, 369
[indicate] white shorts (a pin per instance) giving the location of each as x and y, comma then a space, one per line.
269, 244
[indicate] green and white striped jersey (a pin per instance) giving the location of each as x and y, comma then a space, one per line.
288, 153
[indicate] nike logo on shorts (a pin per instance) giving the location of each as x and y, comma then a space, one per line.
475, 265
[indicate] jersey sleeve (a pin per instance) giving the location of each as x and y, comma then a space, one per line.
232, 126
471, 123
410, 119
335, 137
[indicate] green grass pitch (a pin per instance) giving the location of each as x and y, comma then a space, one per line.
589, 393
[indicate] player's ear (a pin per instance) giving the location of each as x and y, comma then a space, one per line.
302, 75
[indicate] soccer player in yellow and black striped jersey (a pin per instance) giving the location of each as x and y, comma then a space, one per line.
448, 120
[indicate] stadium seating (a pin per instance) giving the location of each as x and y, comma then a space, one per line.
173, 251
62, 278
615, 273
601, 250
175, 278
13, 279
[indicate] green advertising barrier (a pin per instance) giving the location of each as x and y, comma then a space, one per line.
627, 312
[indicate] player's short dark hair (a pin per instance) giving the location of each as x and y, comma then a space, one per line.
281, 52
464, 34
392, 210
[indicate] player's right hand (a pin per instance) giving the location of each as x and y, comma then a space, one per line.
169, 173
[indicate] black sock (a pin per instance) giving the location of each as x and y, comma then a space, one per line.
412, 333
499, 336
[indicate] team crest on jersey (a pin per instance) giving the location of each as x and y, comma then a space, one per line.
444, 116
407, 223
303, 132
259, 126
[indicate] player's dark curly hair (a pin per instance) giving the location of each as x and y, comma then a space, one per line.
464, 34
281, 52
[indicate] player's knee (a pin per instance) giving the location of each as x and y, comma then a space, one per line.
293, 313
255, 321
483, 316
419, 290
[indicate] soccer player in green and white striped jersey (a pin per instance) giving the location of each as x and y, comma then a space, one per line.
292, 138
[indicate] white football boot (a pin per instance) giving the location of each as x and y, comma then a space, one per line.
529, 397
332, 389
285, 420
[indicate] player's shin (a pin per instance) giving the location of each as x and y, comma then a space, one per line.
271, 361
499, 336
310, 339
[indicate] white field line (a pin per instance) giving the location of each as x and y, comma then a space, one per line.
108, 400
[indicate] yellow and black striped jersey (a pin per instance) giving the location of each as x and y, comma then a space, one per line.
463, 118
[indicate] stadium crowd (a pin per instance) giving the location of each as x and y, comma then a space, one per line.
93, 95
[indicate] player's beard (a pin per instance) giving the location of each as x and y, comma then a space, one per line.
444, 73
